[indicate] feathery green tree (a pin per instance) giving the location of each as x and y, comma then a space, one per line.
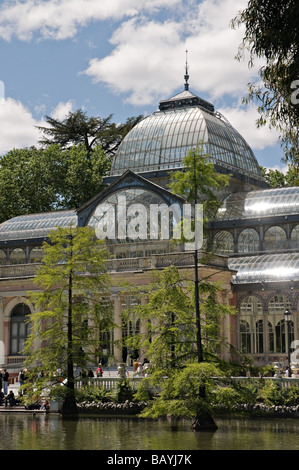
71, 309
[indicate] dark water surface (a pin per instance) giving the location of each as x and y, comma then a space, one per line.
49, 432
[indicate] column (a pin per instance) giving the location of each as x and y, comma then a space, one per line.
118, 329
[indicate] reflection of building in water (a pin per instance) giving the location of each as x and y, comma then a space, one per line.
255, 232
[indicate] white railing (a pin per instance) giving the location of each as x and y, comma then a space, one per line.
108, 383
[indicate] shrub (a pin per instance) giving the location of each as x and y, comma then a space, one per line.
92, 393
270, 394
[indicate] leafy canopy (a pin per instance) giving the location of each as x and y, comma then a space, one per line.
71, 303
77, 128
272, 34
39, 180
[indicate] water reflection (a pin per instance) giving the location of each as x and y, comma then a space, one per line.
44, 432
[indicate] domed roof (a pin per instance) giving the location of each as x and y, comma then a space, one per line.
161, 141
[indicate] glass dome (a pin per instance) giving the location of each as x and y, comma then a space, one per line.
161, 141
277, 201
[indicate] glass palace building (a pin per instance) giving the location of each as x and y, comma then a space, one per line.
255, 234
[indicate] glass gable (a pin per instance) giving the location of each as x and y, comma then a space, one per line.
135, 215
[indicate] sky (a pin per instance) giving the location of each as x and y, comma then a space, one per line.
121, 58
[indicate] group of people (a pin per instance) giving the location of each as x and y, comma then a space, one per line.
140, 369
9, 398
5, 397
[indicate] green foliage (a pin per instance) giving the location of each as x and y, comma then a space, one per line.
93, 393
226, 396
291, 395
169, 315
199, 182
277, 179
272, 34
179, 391
78, 129
124, 391
270, 394
70, 307
39, 180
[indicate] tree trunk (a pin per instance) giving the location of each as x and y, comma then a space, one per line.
204, 421
69, 407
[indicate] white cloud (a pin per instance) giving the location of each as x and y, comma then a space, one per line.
244, 120
148, 58
17, 126
60, 19
62, 110
142, 63
282, 168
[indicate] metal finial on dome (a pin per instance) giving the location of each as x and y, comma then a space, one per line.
186, 76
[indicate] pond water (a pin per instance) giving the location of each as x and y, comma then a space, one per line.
49, 432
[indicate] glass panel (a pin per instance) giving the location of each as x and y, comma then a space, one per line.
248, 241
14, 346
278, 201
263, 268
36, 225
121, 222
17, 256
36, 254
223, 242
14, 329
245, 337
275, 239
22, 329
182, 127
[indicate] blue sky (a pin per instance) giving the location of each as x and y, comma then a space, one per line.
121, 57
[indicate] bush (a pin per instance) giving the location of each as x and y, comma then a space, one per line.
225, 396
93, 393
290, 395
270, 394
124, 391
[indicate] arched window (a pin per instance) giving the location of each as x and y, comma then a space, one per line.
295, 237
19, 328
130, 327
259, 336
251, 314
223, 242
275, 239
245, 337
277, 306
17, 256
36, 254
248, 241
2, 257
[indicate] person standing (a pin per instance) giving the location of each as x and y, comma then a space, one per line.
1, 379
5, 381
